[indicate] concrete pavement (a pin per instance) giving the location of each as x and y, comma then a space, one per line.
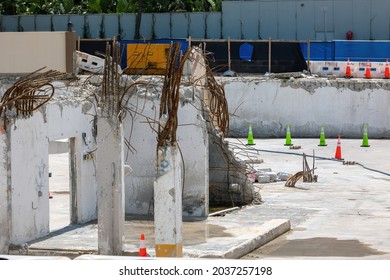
346, 214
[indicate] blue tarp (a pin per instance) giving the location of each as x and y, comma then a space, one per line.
319, 51
246, 51
362, 50
376, 51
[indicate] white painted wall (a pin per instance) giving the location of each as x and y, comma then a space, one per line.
341, 105
29, 179
27, 152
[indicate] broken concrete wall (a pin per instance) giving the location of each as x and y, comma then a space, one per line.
193, 142
24, 176
229, 184
342, 106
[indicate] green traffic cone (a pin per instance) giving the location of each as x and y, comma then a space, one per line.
250, 136
322, 137
365, 137
288, 137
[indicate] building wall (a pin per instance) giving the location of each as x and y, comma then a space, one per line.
342, 106
262, 19
29, 51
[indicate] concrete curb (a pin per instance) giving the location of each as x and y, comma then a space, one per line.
272, 229
268, 231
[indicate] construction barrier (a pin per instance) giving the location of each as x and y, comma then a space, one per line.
350, 69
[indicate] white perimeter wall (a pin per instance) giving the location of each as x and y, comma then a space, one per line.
342, 106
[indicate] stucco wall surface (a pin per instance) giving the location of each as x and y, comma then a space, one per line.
342, 106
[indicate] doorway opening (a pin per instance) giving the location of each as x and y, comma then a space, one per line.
60, 183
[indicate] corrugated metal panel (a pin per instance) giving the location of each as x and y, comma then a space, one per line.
214, 26
305, 20
162, 28
127, 25
250, 18
180, 25
287, 20
268, 20
231, 20
110, 25
146, 26
197, 26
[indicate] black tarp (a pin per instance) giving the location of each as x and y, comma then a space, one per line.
285, 57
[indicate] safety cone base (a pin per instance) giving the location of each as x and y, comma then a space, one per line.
288, 144
338, 158
364, 145
322, 145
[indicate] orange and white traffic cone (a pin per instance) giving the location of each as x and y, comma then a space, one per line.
348, 73
367, 75
387, 71
338, 150
142, 247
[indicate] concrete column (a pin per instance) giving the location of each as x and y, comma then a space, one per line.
168, 203
110, 180
4, 196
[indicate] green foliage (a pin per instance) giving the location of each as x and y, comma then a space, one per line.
33, 7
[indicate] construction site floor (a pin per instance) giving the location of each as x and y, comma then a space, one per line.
344, 215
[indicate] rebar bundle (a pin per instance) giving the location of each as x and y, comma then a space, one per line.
170, 96
110, 98
29, 93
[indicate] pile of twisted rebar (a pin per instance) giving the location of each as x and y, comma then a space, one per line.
29, 93
218, 103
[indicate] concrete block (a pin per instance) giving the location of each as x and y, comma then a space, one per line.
273, 176
283, 176
264, 179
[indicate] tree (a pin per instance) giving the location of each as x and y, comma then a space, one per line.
33, 7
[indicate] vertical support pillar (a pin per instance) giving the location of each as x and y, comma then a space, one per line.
229, 61
269, 55
5, 214
168, 203
110, 177
308, 55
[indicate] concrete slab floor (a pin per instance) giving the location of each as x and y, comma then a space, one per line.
345, 215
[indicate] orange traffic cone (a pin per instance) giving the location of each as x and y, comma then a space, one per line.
142, 247
348, 73
338, 150
367, 75
387, 71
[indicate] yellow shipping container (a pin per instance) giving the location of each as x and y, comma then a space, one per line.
147, 59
